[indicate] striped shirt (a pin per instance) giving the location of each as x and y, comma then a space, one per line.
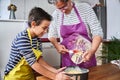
88, 17
21, 47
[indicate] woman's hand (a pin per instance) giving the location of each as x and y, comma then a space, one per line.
61, 48
87, 55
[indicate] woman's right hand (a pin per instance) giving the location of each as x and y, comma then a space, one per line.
61, 48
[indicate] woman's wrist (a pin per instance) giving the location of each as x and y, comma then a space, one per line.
92, 51
56, 44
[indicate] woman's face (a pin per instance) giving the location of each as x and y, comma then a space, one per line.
63, 6
41, 29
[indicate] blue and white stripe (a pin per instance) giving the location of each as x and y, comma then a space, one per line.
21, 47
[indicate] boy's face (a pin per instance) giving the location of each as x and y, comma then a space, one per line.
42, 28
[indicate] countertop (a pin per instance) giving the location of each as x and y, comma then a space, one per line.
102, 72
47, 40
58, 39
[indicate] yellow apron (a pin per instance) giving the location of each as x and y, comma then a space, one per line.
22, 71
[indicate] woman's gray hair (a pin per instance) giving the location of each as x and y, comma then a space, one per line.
54, 1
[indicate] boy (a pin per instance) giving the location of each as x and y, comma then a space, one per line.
26, 51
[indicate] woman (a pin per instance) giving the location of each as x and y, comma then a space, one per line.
71, 20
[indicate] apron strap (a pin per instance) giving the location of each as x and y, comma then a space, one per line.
28, 31
76, 11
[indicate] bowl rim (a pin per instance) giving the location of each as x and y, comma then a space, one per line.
87, 70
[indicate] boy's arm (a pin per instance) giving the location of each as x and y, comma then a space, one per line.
42, 70
45, 72
46, 65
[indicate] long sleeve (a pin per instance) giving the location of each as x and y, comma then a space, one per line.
53, 32
93, 22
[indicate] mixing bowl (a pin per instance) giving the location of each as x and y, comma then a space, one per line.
77, 73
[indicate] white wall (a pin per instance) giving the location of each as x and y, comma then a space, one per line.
0, 8
23, 7
4, 10
8, 30
39, 3
113, 18
20, 8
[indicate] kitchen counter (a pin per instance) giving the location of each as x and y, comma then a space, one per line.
47, 40
102, 72
58, 39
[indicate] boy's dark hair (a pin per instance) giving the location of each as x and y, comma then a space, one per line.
54, 1
38, 15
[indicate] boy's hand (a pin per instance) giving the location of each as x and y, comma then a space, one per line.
62, 76
61, 69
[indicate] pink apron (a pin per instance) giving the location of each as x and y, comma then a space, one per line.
69, 33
